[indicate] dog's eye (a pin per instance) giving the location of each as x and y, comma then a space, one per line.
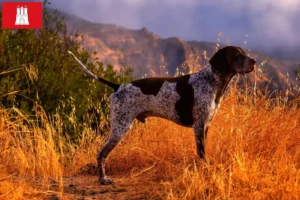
237, 55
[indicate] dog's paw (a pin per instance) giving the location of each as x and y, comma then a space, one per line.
105, 180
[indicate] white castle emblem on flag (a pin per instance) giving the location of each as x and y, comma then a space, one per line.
22, 16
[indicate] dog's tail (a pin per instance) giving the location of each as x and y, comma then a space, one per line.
90, 74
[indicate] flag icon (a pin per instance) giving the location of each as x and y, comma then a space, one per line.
22, 15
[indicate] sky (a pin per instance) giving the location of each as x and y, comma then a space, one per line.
267, 23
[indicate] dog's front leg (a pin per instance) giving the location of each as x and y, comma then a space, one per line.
200, 131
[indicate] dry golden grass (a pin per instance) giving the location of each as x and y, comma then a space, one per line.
252, 153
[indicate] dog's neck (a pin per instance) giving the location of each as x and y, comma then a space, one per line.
221, 81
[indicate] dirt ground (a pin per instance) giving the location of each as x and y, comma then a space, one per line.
86, 187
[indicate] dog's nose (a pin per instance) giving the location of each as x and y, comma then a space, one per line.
252, 61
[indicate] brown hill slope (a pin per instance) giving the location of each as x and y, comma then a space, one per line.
151, 55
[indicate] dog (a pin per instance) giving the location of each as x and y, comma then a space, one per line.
190, 100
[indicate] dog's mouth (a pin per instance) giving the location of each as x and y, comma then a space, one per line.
250, 69
250, 63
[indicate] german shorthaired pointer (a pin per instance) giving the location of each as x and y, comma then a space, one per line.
190, 100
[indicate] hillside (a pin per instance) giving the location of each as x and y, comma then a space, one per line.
151, 55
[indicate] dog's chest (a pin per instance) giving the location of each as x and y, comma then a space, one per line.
205, 106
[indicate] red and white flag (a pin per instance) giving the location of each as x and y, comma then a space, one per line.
22, 15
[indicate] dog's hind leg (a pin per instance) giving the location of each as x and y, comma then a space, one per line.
120, 126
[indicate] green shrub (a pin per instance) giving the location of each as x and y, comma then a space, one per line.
35, 68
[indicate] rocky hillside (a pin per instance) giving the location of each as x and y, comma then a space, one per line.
151, 55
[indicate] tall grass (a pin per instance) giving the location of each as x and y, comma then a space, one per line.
252, 153
34, 152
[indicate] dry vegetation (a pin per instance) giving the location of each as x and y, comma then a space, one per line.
252, 153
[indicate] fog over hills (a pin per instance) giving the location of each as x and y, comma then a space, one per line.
271, 26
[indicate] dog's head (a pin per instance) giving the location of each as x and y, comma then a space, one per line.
232, 59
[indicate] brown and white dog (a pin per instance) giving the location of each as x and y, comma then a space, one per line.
190, 100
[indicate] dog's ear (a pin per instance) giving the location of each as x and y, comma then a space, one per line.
218, 61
